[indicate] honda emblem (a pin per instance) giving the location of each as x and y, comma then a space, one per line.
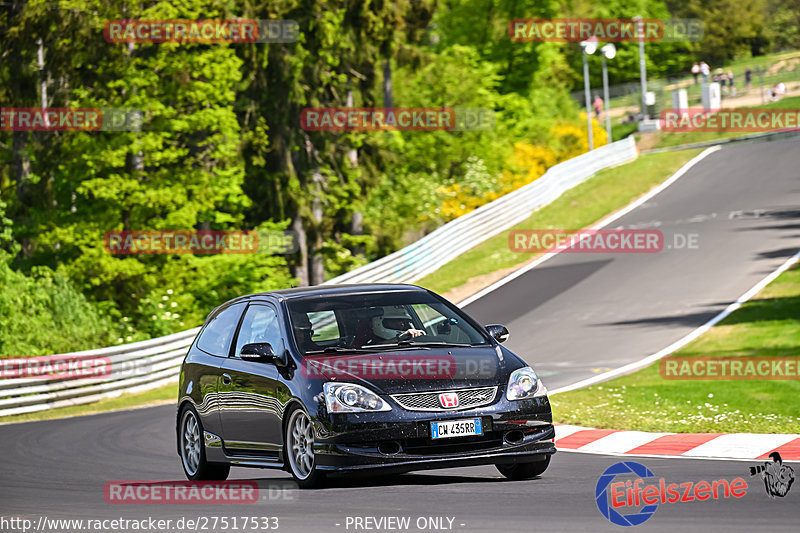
448, 400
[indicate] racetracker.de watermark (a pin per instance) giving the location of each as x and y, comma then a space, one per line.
201, 242
69, 366
730, 368
645, 241
183, 31
738, 120
397, 366
70, 119
378, 367
573, 30
181, 492
397, 119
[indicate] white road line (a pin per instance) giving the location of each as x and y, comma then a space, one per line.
636, 365
603, 223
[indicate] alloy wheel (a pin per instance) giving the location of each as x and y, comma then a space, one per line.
301, 444
190, 443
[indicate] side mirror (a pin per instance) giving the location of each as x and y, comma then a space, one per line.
498, 331
444, 328
258, 351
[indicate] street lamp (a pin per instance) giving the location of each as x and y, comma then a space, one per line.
589, 46
642, 64
608, 52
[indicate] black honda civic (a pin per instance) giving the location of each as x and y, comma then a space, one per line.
390, 378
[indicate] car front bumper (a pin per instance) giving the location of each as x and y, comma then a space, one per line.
399, 440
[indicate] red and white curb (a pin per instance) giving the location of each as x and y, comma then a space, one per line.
699, 445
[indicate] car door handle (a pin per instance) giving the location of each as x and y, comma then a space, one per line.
226, 379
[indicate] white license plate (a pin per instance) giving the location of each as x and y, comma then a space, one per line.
456, 428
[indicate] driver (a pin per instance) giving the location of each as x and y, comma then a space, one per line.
394, 324
303, 332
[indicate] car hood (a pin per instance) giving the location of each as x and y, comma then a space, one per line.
423, 370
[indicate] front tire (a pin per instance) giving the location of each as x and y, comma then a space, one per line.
299, 452
519, 471
193, 452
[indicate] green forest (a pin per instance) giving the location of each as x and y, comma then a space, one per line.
221, 147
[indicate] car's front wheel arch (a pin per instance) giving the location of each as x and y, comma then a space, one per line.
313, 477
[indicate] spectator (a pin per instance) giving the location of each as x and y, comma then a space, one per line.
704, 71
771, 95
695, 71
777, 92
598, 106
730, 82
748, 79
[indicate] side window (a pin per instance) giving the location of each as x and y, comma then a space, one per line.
444, 327
216, 336
260, 324
324, 325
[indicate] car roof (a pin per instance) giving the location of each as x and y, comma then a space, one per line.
334, 290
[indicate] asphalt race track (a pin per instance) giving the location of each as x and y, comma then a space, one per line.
59, 469
579, 314
574, 316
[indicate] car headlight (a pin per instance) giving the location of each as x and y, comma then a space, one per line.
523, 384
351, 398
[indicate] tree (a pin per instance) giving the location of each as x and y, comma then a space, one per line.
310, 176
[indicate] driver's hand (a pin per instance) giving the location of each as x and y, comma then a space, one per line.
412, 333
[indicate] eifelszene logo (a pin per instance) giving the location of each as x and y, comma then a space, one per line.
632, 502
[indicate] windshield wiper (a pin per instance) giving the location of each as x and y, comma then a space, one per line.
437, 344
337, 349
388, 347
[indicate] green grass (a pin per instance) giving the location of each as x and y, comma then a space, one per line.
165, 394
765, 326
677, 138
581, 206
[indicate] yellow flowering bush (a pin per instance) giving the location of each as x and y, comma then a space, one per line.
527, 163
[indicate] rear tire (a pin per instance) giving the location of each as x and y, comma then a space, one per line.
518, 471
299, 450
193, 450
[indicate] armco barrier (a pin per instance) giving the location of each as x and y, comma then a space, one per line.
155, 362
135, 367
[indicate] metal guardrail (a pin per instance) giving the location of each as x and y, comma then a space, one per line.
152, 363
133, 367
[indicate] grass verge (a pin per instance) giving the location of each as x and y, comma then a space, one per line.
165, 394
767, 325
606, 192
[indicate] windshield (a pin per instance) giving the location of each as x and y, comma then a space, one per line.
375, 321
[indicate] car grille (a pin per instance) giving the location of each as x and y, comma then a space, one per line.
429, 401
